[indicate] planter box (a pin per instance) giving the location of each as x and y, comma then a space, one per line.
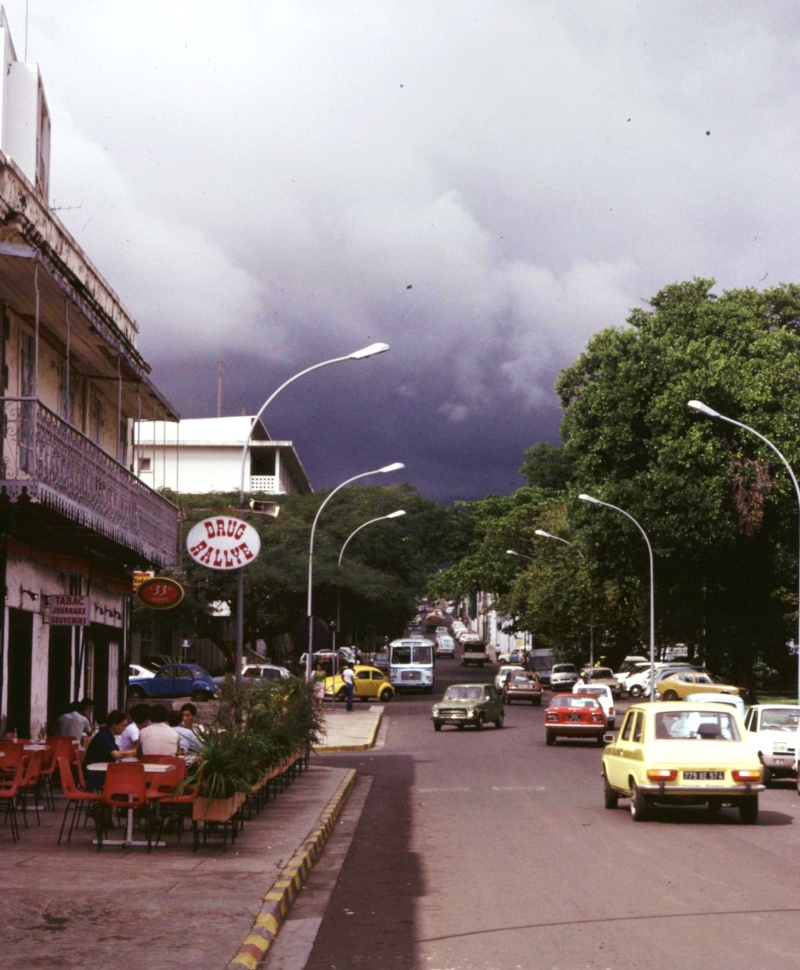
217, 809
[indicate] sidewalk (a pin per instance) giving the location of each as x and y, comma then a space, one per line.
72, 906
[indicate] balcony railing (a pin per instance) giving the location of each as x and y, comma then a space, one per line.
62, 469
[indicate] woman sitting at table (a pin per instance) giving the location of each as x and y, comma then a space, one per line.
104, 748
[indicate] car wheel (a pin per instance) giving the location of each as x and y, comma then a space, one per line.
635, 691
550, 739
136, 693
386, 696
600, 741
766, 776
610, 797
341, 695
437, 725
638, 804
748, 809
479, 723
201, 695
670, 695
714, 805
499, 722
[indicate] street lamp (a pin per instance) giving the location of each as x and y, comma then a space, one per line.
547, 535
356, 355
711, 413
396, 466
596, 501
380, 518
519, 555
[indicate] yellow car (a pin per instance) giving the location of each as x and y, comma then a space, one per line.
677, 686
369, 684
677, 752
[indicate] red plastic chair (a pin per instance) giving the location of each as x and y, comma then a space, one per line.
56, 747
77, 800
12, 755
79, 756
181, 804
9, 790
30, 784
125, 787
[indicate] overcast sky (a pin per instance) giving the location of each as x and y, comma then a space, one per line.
482, 184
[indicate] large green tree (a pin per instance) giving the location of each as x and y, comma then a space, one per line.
717, 505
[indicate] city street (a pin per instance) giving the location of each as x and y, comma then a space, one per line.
478, 850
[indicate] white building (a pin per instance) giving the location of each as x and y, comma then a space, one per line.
74, 519
199, 455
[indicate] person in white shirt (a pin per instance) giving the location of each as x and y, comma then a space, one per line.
158, 737
140, 717
349, 677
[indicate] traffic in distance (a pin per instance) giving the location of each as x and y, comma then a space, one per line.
696, 744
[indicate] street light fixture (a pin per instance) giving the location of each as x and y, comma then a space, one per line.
396, 466
519, 555
380, 518
596, 501
547, 535
373, 349
711, 413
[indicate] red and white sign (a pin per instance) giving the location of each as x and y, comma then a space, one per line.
223, 542
69, 610
160, 593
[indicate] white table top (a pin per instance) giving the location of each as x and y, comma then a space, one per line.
149, 769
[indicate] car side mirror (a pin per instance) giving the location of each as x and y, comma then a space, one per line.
609, 738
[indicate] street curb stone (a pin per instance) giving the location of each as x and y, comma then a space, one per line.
278, 900
361, 746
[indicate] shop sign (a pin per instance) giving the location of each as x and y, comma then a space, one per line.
69, 610
223, 542
160, 593
140, 576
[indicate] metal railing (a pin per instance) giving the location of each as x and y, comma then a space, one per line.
60, 468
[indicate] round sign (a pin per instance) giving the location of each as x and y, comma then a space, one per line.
160, 593
223, 542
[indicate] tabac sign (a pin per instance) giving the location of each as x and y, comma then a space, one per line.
223, 542
69, 610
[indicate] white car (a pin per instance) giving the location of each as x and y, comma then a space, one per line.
604, 696
500, 678
137, 670
563, 677
772, 730
445, 647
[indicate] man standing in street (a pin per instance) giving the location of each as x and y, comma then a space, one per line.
348, 676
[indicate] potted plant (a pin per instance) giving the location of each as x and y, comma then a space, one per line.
229, 757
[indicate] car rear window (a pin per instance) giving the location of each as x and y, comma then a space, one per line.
696, 726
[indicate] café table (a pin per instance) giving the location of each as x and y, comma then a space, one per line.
149, 769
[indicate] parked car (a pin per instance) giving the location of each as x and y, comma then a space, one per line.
522, 685
563, 676
629, 664
601, 675
603, 693
503, 672
174, 680
574, 716
137, 670
469, 704
445, 647
734, 700
255, 672
674, 753
772, 730
677, 686
381, 660
638, 682
369, 683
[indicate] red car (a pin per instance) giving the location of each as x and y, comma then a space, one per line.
574, 716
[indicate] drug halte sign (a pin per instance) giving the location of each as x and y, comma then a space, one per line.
223, 542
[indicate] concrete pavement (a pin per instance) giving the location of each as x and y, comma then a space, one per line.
72, 906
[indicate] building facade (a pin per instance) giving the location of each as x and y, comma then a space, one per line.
199, 455
75, 520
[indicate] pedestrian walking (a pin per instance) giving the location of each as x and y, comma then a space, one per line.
348, 676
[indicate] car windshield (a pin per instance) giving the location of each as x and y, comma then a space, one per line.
594, 691
776, 719
696, 726
575, 700
460, 693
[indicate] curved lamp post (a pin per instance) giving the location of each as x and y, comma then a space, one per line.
380, 518
596, 501
376, 471
711, 413
519, 555
370, 351
547, 535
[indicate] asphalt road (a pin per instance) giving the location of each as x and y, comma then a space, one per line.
468, 850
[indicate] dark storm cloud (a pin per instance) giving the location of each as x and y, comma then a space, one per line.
483, 186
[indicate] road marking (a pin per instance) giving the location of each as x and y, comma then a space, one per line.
520, 788
438, 791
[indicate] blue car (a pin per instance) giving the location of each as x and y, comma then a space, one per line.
174, 680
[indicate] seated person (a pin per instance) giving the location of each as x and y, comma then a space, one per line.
104, 748
140, 716
188, 739
158, 737
74, 723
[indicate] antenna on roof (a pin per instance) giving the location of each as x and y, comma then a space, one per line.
220, 371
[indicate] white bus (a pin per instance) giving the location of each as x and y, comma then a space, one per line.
411, 664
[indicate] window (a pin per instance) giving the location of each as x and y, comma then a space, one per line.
638, 728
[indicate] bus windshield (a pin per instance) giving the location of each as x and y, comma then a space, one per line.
412, 654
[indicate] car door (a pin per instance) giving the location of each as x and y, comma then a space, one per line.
618, 756
362, 683
161, 684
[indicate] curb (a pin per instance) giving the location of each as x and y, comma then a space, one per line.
362, 746
280, 897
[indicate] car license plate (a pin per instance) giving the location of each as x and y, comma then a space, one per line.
574, 717
703, 775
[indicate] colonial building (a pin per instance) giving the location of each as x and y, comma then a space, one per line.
200, 455
75, 519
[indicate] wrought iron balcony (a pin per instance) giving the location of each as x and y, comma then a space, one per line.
55, 466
